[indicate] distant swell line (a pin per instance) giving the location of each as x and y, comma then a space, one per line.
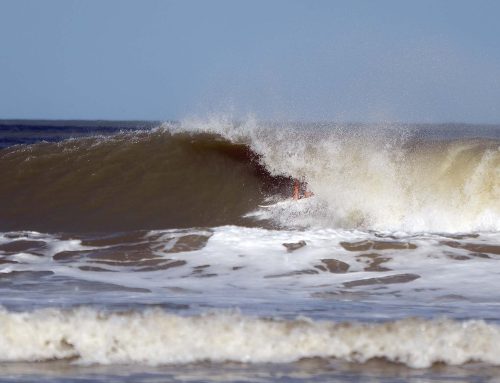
155, 337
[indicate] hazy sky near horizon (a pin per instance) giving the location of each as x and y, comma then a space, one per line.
349, 60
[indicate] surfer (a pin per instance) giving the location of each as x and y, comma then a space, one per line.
298, 187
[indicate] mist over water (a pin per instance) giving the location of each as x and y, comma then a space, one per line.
393, 177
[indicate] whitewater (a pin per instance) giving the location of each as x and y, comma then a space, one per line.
174, 251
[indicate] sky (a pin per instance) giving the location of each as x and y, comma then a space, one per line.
314, 60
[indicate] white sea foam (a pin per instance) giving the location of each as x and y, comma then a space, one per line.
155, 337
251, 268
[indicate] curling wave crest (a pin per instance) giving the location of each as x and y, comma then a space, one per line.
395, 177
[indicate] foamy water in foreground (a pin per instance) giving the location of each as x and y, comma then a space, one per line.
298, 293
154, 337
176, 254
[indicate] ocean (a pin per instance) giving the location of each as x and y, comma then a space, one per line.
174, 251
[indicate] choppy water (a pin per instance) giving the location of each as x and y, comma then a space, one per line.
176, 251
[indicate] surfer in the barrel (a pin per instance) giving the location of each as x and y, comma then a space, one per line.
300, 190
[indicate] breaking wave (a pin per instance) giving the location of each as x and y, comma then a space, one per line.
155, 337
219, 172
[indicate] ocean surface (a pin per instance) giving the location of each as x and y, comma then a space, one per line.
173, 251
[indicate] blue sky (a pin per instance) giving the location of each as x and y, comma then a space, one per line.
351, 60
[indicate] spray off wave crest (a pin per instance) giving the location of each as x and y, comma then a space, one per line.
154, 337
218, 172
387, 178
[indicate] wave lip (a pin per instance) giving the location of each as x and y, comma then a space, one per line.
155, 337
383, 178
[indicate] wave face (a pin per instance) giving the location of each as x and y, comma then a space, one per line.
140, 180
155, 337
218, 172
